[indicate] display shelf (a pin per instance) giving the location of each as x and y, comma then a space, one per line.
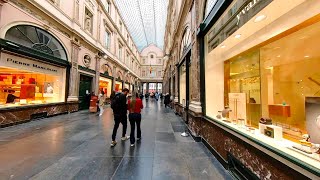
282, 147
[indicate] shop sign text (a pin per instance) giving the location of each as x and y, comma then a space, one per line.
10, 60
246, 9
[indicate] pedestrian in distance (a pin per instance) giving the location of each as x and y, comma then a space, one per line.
134, 106
166, 100
119, 107
102, 100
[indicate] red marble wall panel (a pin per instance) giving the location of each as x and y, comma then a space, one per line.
23, 114
261, 164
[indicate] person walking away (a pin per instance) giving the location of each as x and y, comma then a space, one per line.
166, 100
112, 95
134, 106
102, 100
119, 107
157, 96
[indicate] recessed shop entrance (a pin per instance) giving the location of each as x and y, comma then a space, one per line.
85, 89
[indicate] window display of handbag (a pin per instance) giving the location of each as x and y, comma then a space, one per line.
266, 121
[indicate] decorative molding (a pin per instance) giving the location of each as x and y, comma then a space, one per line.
195, 107
40, 18
90, 4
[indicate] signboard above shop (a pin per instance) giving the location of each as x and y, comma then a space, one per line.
16, 62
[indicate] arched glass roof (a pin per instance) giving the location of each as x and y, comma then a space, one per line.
145, 19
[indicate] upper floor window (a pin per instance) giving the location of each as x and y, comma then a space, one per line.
107, 6
209, 5
143, 73
120, 26
120, 51
159, 61
36, 38
159, 74
127, 38
143, 61
88, 21
151, 56
127, 58
107, 39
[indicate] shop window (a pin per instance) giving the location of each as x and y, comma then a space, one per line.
182, 84
36, 38
270, 92
23, 87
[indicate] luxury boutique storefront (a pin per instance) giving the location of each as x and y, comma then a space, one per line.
33, 75
262, 87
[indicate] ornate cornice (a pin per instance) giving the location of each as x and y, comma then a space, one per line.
2, 2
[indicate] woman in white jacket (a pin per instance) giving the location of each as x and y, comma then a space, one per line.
102, 100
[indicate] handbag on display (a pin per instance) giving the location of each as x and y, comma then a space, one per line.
266, 121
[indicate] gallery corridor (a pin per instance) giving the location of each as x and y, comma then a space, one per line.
77, 146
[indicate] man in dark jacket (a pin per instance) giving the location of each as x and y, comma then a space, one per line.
166, 100
119, 107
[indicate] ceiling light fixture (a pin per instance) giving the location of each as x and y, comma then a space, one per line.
260, 18
306, 56
237, 36
223, 46
278, 56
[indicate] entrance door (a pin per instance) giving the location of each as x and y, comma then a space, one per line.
85, 86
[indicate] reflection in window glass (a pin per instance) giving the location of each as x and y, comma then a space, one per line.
209, 5
37, 39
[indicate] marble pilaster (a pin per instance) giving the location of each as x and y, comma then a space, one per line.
2, 2
114, 73
96, 84
73, 81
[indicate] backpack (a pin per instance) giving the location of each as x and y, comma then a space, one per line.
116, 103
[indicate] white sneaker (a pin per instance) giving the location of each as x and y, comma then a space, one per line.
132, 145
125, 138
113, 143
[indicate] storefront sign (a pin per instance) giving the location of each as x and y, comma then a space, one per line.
246, 9
20, 63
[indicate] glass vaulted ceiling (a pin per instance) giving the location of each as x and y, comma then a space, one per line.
145, 19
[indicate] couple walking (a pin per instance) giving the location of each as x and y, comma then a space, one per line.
120, 107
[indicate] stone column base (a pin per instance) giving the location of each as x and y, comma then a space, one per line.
72, 98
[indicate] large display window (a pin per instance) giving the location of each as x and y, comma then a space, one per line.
182, 84
118, 86
105, 85
269, 92
26, 82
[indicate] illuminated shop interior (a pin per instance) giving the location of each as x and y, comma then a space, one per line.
276, 79
30, 87
105, 85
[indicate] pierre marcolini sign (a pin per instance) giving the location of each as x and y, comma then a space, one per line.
31, 65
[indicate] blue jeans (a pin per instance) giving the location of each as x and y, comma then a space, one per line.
135, 119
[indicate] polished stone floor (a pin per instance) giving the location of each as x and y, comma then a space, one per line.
77, 146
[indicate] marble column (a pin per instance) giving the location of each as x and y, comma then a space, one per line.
2, 2
76, 12
176, 93
97, 77
74, 81
114, 73
147, 89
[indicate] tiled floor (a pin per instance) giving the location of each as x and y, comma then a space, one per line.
77, 146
